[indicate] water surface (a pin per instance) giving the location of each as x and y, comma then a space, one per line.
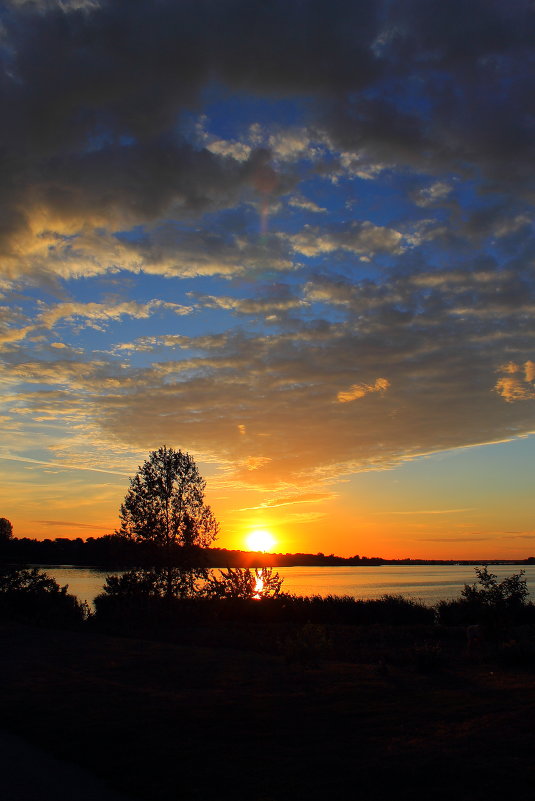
430, 583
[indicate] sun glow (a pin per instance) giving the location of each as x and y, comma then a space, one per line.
260, 540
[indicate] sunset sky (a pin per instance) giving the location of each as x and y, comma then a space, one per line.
294, 239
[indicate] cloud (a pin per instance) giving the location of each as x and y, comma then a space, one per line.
299, 202
293, 144
280, 392
434, 511
463, 539
363, 239
235, 150
9, 335
55, 523
248, 306
13, 458
357, 391
292, 500
85, 113
175, 341
433, 194
518, 384
261, 405
95, 313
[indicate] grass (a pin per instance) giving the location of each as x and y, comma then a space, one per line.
375, 711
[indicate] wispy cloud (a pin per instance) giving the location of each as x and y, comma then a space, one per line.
411, 512
306, 497
66, 524
464, 539
63, 466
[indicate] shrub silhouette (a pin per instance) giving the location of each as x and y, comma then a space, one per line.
157, 582
489, 602
29, 595
243, 582
131, 604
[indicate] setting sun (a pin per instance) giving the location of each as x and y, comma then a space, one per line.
260, 540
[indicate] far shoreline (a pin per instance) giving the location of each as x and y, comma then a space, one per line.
117, 553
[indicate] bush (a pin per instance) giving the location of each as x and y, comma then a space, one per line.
510, 593
489, 602
389, 609
242, 582
158, 582
132, 602
28, 595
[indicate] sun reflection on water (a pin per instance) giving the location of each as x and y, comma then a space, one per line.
259, 585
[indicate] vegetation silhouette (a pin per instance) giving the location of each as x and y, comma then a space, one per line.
6, 530
242, 582
29, 595
489, 602
165, 506
116, 551
246, 607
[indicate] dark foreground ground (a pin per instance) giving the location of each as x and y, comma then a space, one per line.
165, 721
28, 773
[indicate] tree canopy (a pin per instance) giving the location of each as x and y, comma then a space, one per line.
6, 530
165, 503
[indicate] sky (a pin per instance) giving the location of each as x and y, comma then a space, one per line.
294, 239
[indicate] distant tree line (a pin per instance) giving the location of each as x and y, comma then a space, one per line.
116, 551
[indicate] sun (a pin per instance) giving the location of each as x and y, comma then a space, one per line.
260, 540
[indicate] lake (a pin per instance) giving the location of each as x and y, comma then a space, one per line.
429, 583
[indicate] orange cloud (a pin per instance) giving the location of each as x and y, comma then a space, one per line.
291, 500
357, 391
516, 386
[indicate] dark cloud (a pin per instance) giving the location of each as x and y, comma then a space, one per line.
96, 93
96, 96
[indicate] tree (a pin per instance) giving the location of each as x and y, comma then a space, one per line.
6, 530
509, 594
30, 595
165, 505
21, 579
242, 582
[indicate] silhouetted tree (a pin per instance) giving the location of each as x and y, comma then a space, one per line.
242, 582
30, 595
6, 530
19, 579
165, 505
